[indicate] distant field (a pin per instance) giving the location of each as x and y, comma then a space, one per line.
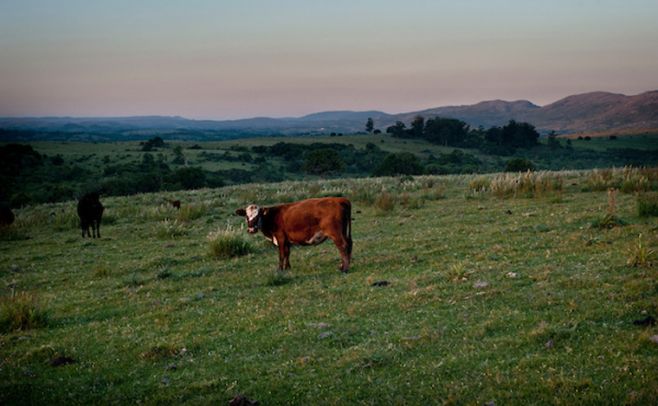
644, 141
131, 150
511, 300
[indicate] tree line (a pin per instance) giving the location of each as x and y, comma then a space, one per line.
456, 133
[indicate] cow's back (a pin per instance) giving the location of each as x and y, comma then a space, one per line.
313, 211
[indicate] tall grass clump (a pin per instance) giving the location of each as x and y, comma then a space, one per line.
384, 203
364, 194
610, 219
627, 179
191, 212
599, 180
228, 243
65, 219
528, 184
639, 255
21, 311
171, 229
479, 184
647, 205
634, 180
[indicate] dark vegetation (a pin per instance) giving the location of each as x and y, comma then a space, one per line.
158, 164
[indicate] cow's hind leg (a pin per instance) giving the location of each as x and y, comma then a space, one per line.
344, 246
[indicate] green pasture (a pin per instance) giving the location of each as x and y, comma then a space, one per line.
492, 296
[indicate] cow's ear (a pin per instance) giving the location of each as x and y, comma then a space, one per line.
241, 212
264, 211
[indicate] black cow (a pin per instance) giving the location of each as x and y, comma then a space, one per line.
90, 211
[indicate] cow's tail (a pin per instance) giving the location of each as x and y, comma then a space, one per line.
347, 225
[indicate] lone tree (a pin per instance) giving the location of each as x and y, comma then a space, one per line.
369, 125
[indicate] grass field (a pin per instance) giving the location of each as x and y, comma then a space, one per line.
91, 154
515, 300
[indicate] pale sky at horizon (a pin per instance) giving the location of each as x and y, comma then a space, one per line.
234, 59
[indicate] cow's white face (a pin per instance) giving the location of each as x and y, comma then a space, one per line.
253, 216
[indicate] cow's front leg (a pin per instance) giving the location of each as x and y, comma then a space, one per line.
286, 255
283, 255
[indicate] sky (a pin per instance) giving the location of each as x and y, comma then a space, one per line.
225, 59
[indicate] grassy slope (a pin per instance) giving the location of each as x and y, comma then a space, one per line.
153, 318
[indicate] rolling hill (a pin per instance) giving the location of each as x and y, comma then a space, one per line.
587, 112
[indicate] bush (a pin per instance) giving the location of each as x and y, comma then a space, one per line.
402, 163
228, 243
519, 165
647, 204
21, 311
323, 161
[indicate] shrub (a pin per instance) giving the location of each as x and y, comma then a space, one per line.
401, 163
21, 311
323, 161
228, 243
647, 204
519, 165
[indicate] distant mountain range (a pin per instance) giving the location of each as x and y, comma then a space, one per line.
588, 112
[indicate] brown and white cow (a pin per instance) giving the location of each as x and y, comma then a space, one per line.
307, 222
